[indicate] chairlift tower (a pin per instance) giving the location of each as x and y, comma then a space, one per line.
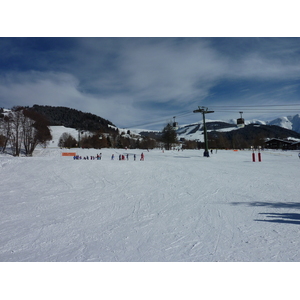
204, 110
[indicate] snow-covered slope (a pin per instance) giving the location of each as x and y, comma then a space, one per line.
283, 122
195, 131
174, 206
255, 121
57, 131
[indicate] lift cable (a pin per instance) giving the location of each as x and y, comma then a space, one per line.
256, 109
261, 105
227, 108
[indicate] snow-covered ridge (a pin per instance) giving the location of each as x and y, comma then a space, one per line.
289, 122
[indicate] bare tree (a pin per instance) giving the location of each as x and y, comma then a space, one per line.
16, 133
35, 131
25, 128
5, 129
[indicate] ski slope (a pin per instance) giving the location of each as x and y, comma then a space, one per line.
172, 207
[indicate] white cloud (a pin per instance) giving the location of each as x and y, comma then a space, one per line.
163, 71
38, 87
257, 67
118, 79
61, 89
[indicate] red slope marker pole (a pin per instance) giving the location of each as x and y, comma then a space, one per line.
253, 154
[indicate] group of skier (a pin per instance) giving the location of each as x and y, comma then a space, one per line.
99, 156
122, 157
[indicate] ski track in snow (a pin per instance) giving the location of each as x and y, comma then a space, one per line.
174, 206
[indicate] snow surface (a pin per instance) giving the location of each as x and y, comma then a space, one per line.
176, 206
57, 131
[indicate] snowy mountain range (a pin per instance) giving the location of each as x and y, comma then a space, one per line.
192, 131
195, 131
290, 122
189, 131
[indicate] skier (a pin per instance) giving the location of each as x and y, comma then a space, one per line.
299, 154
134, 157
142, 156
112, 157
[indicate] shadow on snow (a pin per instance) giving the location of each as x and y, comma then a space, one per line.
295, 205
282, 218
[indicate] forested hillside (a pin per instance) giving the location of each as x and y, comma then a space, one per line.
73, 118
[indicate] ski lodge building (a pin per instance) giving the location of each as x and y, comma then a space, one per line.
282, 144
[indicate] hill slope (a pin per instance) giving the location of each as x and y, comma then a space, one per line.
72, 118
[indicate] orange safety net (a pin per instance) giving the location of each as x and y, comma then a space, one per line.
68, 154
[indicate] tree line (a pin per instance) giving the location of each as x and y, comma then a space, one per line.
98, 140
166, 139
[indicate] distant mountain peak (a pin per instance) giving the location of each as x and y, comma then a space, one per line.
289, 122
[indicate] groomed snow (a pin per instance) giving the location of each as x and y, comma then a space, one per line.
172, 207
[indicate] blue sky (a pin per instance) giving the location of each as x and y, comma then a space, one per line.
144, 82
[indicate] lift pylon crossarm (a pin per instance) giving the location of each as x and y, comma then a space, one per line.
203, 110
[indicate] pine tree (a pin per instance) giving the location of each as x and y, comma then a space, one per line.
169, 136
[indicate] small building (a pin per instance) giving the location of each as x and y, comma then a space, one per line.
279, 144
296, 146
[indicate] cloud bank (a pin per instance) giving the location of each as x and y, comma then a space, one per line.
133, 81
